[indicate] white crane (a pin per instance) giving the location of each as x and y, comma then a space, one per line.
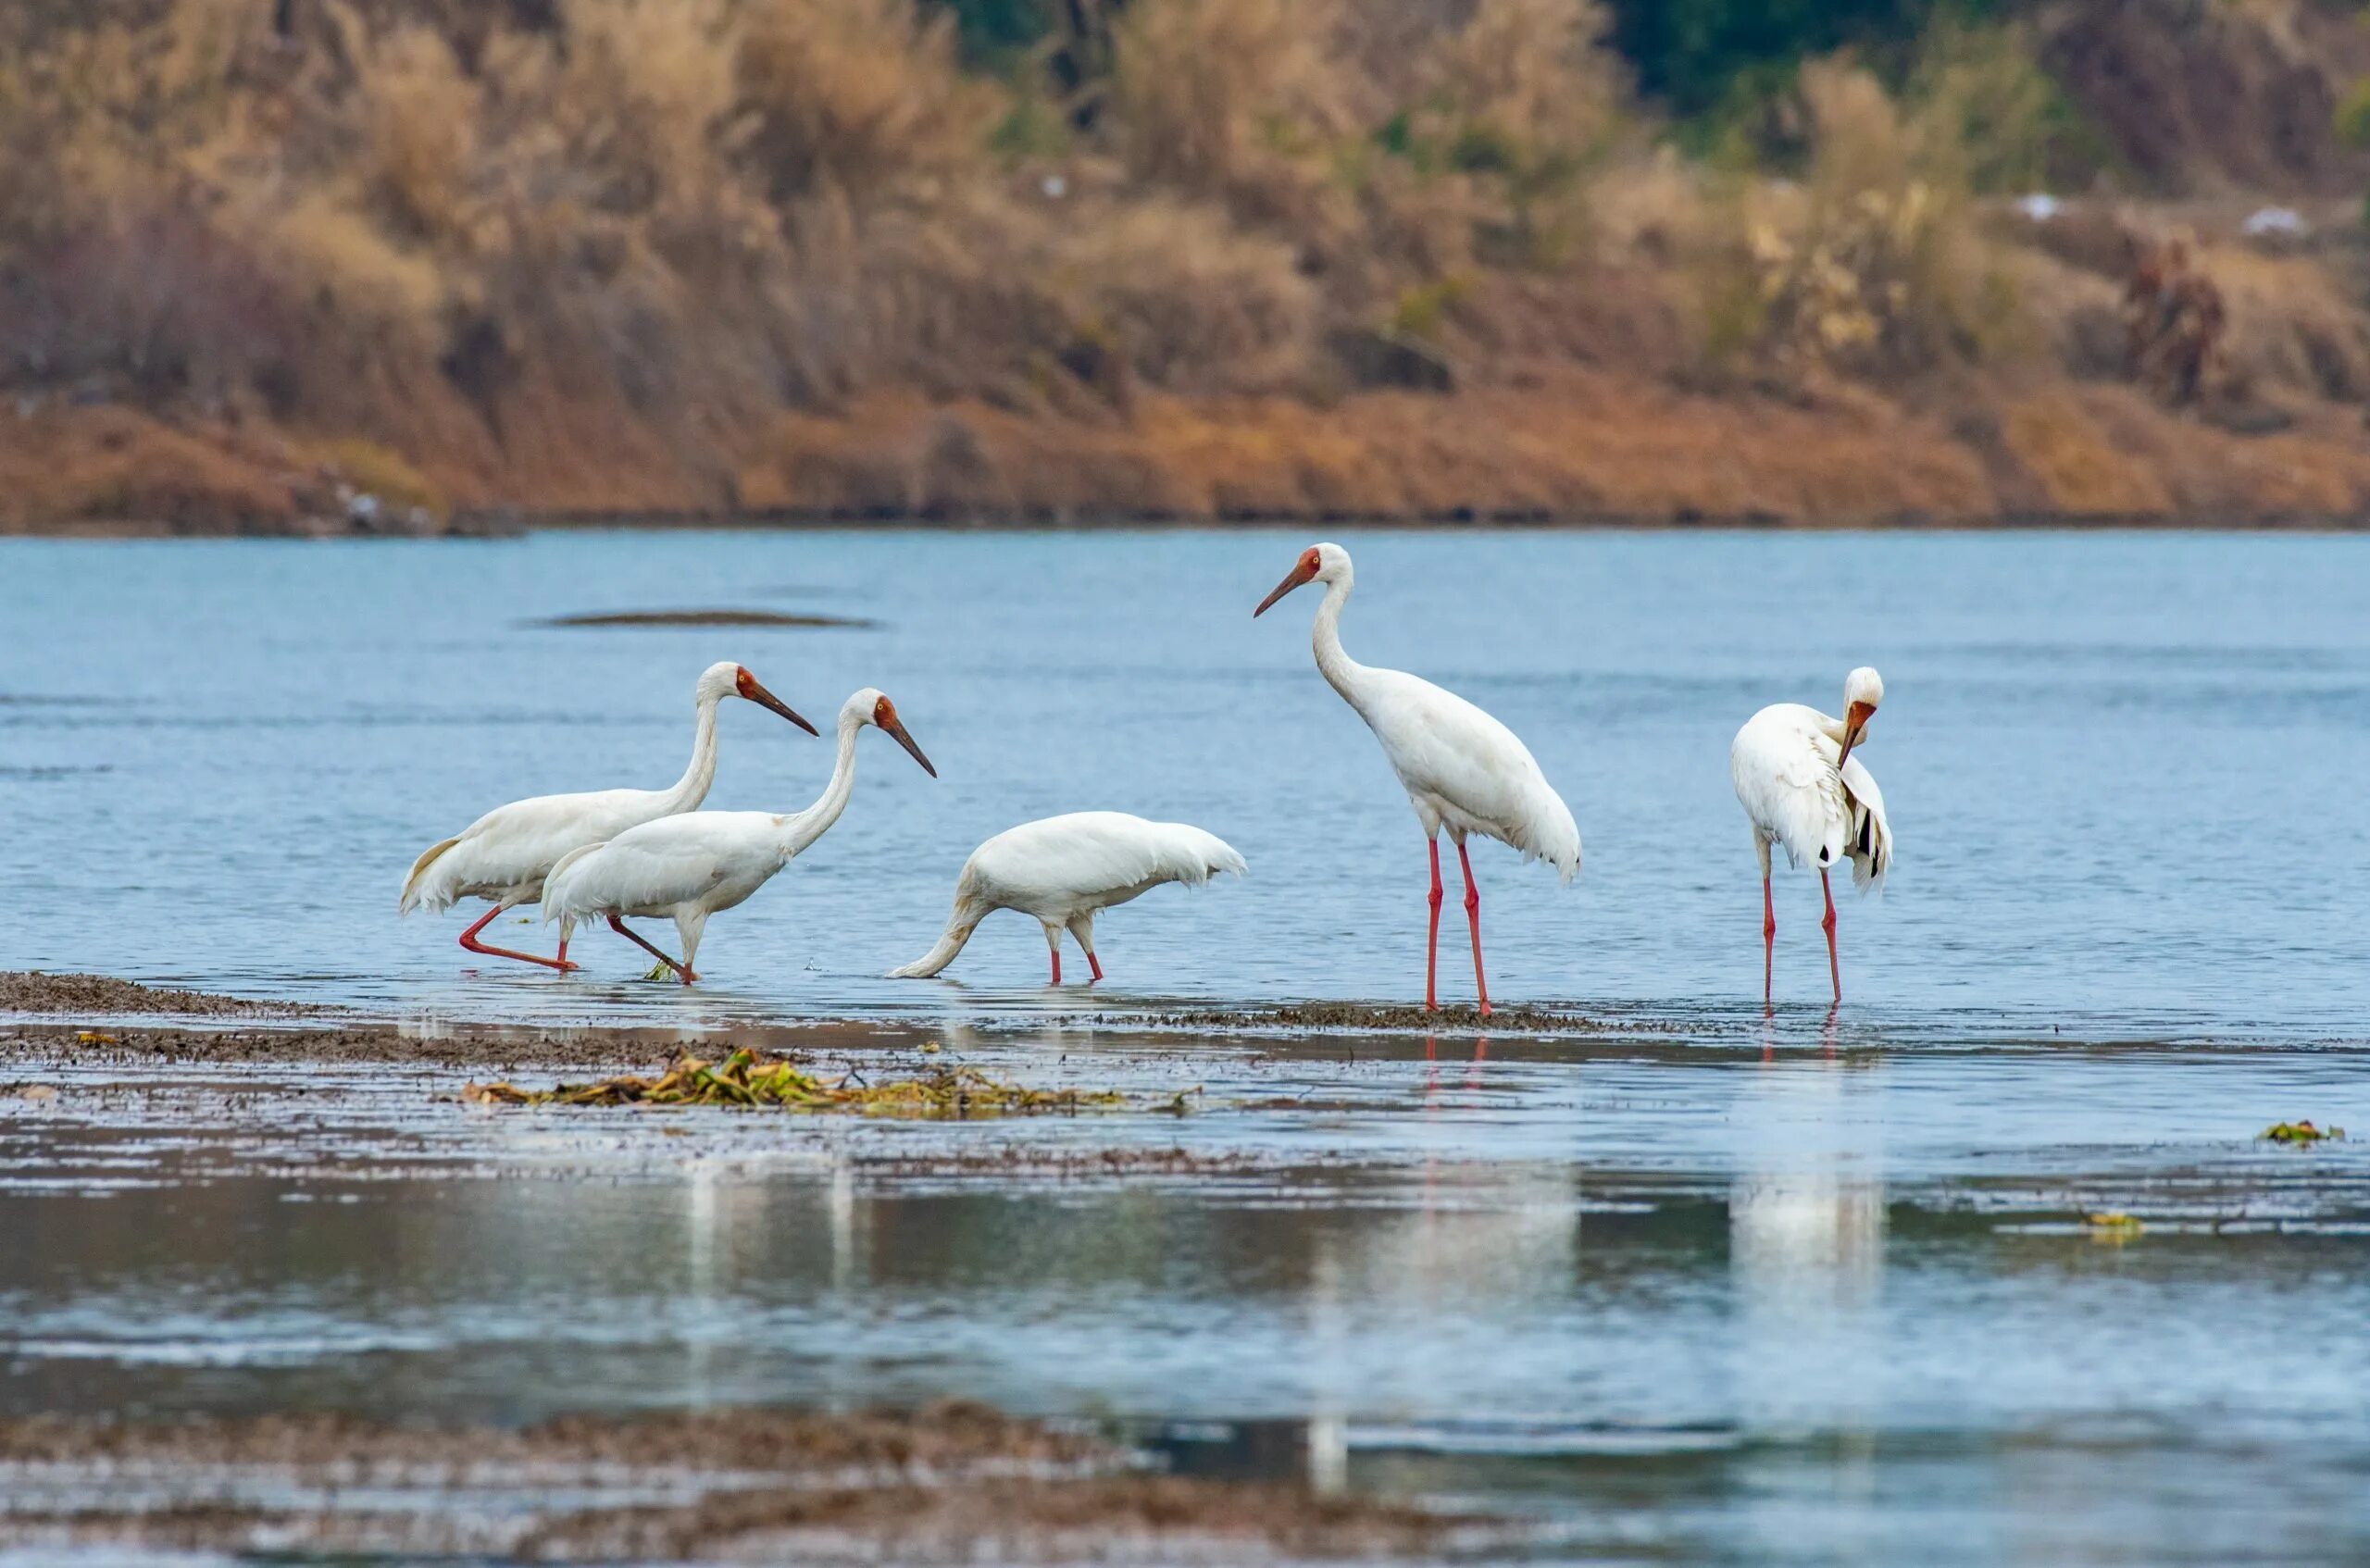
1801, 786
1064, 870
693, 865
1462, 770
506, 854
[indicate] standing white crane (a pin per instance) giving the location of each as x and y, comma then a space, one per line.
693, 865
506, 854
1801, 786
1064, 870
1462, 770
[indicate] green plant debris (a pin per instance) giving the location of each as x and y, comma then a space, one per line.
2302, 1132
746, 1079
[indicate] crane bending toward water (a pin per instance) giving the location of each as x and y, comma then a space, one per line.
704, 862
1462, 770
1064, 870
1801, 786
506, 854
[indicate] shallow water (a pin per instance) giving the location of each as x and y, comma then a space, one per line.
1707, 1290
1729, 1301
2125, 769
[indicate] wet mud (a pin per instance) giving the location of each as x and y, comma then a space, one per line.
953, 1482
104, 996
108, 1043
1399, 1019
92, 1020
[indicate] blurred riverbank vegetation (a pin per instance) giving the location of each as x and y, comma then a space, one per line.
1196, 255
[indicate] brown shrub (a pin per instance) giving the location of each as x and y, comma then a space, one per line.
855, 92
1521, 101
2292, 327
1872, 266
1244, 101
419, 117
1191, 304
645, 90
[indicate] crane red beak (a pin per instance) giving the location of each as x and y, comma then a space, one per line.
884, 714
1304, 571
898, 731
749, 686
1856, 725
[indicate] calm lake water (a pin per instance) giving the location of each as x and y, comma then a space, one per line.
1671, 1302
1704, 1289
2125, 770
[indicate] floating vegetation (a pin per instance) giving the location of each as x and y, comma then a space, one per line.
746, 1079
2301, 1132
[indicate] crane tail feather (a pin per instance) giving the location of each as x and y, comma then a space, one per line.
557, 908
415, 894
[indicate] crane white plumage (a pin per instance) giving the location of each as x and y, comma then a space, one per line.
702, 862
506, 854
1064, 870
1801, 786
1462, 770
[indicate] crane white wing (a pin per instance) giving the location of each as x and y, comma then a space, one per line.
1063, 866
1783, 767
1469, 766
655, 867
515, 846
1090, 852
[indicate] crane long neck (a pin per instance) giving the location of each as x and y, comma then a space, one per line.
1344, 673
811, 824
692, 788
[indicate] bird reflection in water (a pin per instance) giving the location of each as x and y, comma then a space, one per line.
1806, 1242
1432, 1077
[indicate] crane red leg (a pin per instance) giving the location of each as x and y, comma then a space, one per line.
1082, 929
621, 928
1768, 942
1472, 914
469, 940
1433, 944
1834, 964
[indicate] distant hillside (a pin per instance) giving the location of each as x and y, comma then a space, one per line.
267, 265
